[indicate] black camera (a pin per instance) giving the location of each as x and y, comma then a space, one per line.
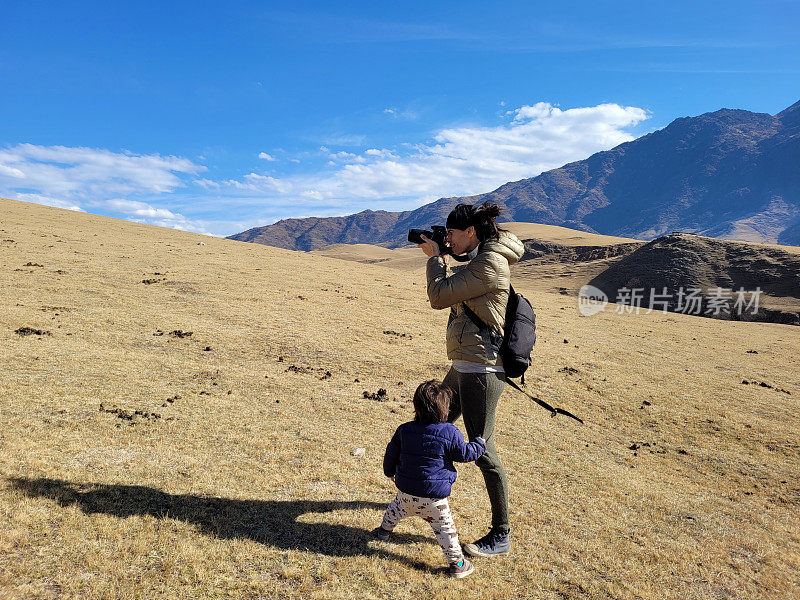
438, 235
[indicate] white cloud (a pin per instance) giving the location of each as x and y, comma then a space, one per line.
268, 157
11, 172
40, 199
140, 209
74, 172
142, 212
76, 178
463, 160
380, 152
312, 194
343, 140
408, 114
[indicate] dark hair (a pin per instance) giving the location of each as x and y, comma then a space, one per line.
432, 402
480, 217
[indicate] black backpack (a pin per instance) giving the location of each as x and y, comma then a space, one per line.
516, 345
519, 334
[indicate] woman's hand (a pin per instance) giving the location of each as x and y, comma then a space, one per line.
430, 248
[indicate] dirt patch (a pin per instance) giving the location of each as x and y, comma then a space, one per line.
55, 309
397, 334
307, 370
133, 416
26, 331
764, 384
381, 395
170, 400
178, 333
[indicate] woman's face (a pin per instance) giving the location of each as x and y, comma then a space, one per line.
462, 241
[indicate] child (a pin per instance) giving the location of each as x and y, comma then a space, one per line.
419, 459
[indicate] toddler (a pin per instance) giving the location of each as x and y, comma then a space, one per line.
419, 459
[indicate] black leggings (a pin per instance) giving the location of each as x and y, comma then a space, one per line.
475, 397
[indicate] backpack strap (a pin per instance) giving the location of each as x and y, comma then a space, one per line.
553, 410
474, 317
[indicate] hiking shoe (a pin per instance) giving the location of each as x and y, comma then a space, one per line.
458, 572
494, 543
381, 533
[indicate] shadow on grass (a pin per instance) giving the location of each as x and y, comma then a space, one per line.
270, 522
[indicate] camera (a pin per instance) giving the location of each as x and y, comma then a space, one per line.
438, 235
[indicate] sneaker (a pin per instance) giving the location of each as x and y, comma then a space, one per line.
494, 543
465, 569
381, 533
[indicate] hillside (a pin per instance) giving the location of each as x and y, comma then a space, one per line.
730, 174
179, 413
683, 262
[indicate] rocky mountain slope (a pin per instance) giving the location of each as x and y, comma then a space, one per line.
731, 174
681, 262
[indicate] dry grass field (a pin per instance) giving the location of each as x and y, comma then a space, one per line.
138, 461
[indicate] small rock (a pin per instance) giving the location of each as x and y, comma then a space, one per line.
358, 451
201, 243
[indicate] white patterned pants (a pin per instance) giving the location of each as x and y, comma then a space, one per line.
435, 511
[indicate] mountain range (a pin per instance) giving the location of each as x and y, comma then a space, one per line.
731, 174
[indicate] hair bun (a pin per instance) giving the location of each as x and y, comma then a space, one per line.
481, 217
488, 210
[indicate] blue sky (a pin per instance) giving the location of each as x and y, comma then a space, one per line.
217, 117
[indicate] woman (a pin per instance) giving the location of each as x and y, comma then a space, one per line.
477, 376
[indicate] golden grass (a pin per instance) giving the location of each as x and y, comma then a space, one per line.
563, 235
245, 486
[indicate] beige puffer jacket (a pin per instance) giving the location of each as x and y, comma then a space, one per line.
483, 285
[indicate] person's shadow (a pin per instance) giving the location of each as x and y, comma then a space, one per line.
271, 522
